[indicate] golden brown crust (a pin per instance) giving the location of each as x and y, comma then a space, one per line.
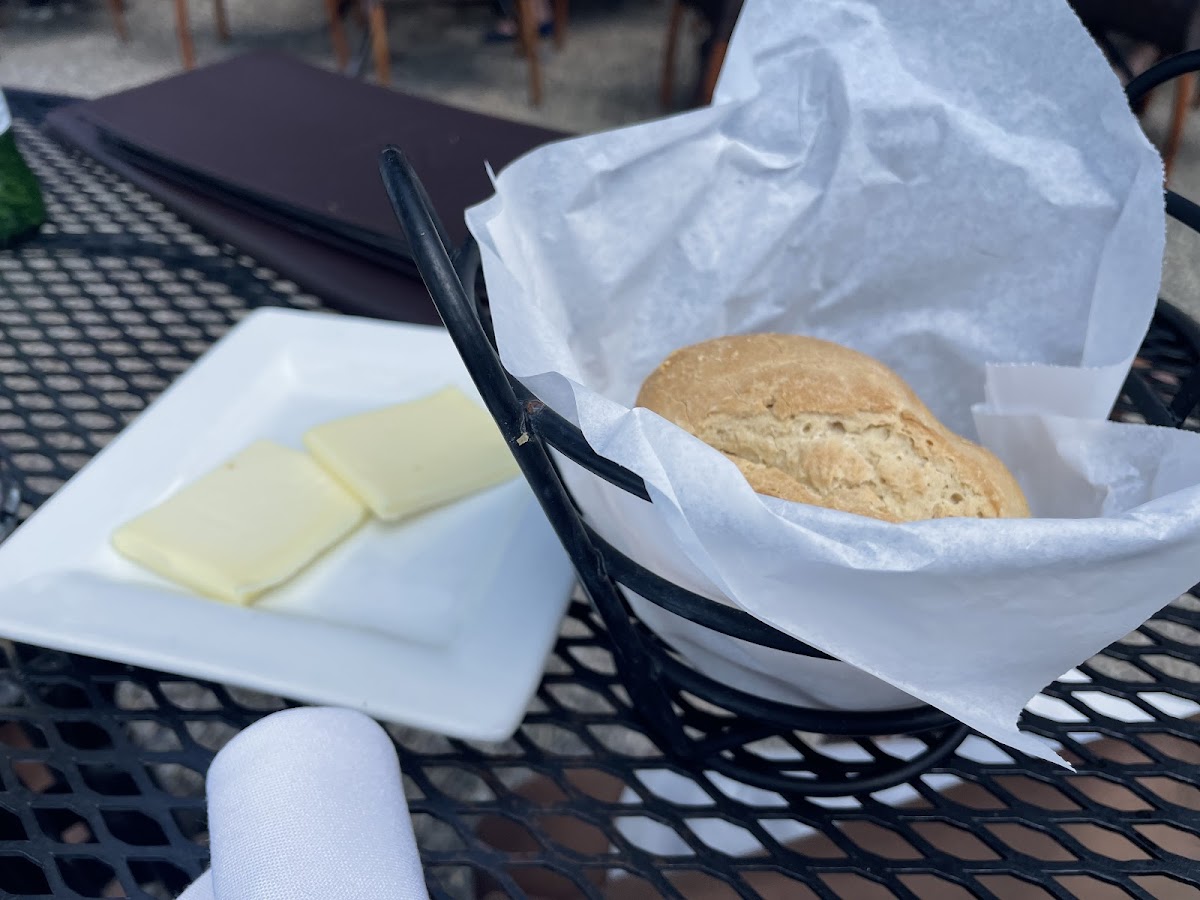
814, 422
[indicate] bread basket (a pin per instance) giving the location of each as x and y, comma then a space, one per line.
702, 721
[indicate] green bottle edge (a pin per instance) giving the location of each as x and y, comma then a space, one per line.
24, 223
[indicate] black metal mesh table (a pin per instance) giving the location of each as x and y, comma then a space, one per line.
101, 764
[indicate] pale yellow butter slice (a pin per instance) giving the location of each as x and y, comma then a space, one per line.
412, 457
245, 527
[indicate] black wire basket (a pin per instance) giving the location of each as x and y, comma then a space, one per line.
10, 498
711, 725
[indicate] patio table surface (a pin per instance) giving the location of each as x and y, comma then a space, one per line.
102, 764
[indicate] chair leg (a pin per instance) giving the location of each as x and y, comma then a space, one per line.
1185, 87
117, 9
667, 90
222, 20
716, 59
377, 23
183, 28
337, 34
561, 12
527, 26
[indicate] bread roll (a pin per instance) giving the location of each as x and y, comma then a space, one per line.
814, 422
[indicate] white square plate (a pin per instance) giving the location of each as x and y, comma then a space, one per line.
443, 622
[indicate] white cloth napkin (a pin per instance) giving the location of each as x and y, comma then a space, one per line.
308, 804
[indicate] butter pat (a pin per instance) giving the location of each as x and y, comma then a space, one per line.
409, 458
245, 527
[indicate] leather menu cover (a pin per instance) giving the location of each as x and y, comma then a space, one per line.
281, 159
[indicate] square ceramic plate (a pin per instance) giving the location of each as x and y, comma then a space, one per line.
442, 622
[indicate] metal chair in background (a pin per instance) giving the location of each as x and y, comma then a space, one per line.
183, 27
372, 18
528, 39
373, 15
1157, 29
719, 16
370, 12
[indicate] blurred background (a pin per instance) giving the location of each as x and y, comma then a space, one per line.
610, 62
606, 68
606, 73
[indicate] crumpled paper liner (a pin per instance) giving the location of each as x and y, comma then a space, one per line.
957, 189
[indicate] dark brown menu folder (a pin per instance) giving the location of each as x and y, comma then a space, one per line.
281, 160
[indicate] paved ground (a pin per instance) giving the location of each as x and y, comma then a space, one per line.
607, 74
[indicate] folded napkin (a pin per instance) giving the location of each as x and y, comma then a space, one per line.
307, 804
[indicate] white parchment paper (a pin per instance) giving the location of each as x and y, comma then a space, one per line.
957, 189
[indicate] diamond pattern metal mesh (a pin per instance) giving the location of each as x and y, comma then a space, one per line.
101, 764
